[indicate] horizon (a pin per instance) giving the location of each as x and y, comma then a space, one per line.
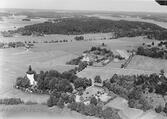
86, 5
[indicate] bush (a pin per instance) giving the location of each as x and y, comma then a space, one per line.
11, 101
30, 103
109, 113
78, 38
52, 101
159, 109
22, 82
93, 101
97, 79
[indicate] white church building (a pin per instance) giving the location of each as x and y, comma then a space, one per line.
30, 76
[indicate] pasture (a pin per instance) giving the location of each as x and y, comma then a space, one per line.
148, 64
38, 112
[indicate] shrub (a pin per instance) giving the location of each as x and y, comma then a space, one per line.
30, 103
22, 82
11, 101
97, 79
109, 113
93, 101
78, 38
159, 109
52, 101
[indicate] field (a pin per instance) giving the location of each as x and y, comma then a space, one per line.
131, 113
148, 64
14, 62
107, 73
38, 112
13, 22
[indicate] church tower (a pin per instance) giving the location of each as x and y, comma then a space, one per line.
30, 76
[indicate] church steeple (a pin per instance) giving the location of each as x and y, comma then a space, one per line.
30, 71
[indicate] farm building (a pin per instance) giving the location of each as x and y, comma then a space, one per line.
123, 54
88, 57
97, 92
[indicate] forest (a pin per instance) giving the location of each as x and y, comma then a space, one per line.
76, 26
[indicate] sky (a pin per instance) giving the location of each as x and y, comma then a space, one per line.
105, 5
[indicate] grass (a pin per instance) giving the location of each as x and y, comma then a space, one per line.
107, 73
148, 64
30, 103
38, 111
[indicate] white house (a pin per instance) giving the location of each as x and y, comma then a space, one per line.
78, 98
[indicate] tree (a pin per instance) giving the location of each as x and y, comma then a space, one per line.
162, 72
109, 113
159, 109
132, 103
98, 79
71, 98
19, 81
82, 82
78, 38
93, 101
60, 103
165, 108
73, 106
40, 81
52, 101
90, 110
23, 82
82, 65
80, 107
140, 50
69, 76
152, 43
64, 86
65, 97
52, 83
136, 94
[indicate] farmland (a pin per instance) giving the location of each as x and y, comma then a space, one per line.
50, 52
45, 56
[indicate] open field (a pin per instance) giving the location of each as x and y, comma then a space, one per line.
107, 73
14, 22
147, 63
131, 113
38, 112
55, 37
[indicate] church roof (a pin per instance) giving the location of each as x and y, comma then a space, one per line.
30, 72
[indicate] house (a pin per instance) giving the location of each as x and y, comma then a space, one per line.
77, 98
6, 46
87, 102
88, 58
123, 54
92, 91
